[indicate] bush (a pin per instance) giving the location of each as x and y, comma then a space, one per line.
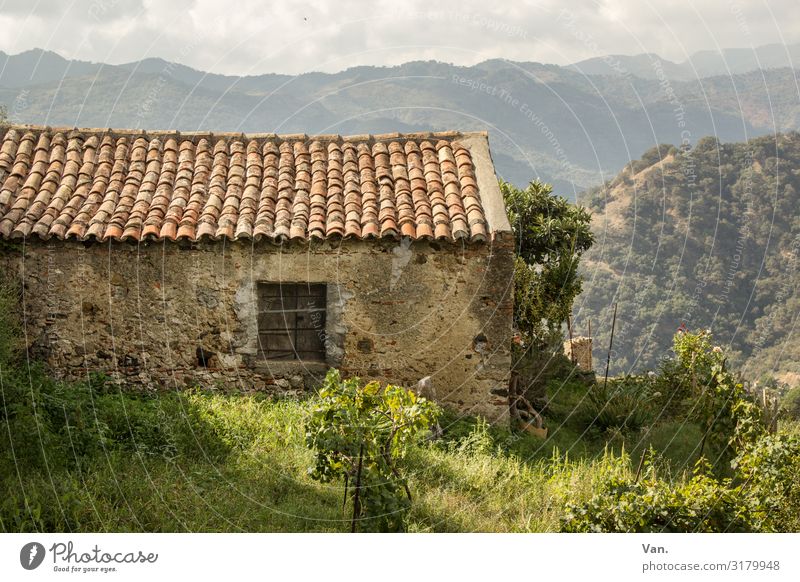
768, 473
762, 494
702, 504
790, 404
622, 404
674, 397
359, 434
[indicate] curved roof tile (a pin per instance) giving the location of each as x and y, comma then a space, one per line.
134, 185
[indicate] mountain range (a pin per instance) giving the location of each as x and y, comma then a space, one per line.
574, 126
700, 64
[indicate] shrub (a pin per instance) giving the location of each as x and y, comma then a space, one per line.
761, 495
719, 403
767, 471
702, 504
623, 404
674, 397
359, 434
790, 404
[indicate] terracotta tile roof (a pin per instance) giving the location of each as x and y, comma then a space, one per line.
128, 185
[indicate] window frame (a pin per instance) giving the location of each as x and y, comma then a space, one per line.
291, 321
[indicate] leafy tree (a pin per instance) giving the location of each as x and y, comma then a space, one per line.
551, 236
360, 434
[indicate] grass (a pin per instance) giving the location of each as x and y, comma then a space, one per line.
94, 457
88, 457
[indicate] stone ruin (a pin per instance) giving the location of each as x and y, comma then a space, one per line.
579, 351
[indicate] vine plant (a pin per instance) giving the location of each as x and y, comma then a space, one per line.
360, 434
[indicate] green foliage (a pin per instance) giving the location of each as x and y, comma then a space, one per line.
477, 477
790, 404
551, 236
10, 343
47, 423
622, 504
360, 434
762, 496
623, 404
727, 412
767, 471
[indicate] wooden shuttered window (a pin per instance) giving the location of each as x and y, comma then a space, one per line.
291, 321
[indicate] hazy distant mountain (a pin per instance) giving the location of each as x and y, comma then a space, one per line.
700, 64
546, 121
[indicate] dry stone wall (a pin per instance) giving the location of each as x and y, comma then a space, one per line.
397, 311
579, 350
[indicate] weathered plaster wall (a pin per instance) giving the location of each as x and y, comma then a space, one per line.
397, 311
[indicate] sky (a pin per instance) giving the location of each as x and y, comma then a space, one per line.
251, 37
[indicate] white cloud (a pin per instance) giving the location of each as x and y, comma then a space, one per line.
251, 37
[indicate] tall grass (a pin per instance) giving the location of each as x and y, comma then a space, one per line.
91, 456
201, 462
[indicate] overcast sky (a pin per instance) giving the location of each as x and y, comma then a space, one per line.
251, 36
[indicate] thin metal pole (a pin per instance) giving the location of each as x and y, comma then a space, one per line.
591, 345
357, 497
571, 344
610, 345
639, 468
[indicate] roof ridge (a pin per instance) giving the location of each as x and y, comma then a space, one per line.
131, 132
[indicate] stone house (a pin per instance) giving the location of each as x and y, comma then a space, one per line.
257, 262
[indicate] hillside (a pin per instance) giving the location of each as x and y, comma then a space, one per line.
707, 237
701, 64
556, 123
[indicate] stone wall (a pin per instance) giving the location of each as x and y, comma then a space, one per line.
397, 311
579, 350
